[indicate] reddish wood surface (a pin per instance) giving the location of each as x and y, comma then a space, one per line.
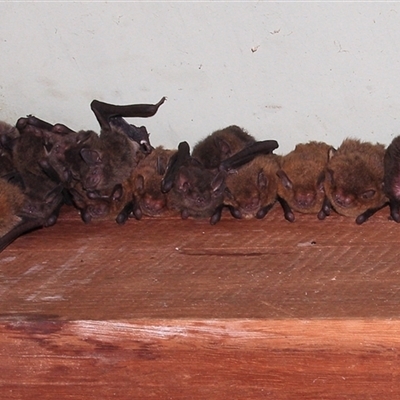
173, 309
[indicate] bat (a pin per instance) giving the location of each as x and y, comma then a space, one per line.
354, 179
252, 188
392, 177
193, 190
8, 136
221, 144
110, 160
301, 177
148, 197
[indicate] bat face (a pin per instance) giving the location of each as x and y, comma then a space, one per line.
90, 208
146, 181
301, 177
63, 154
252, 189
197, 191
392, 177
354, 178
392, 170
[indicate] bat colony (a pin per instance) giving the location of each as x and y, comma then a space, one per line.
118, 174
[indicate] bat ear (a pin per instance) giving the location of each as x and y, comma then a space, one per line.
262, 180
161, 165
139, 183
218, 182
328, 175
173, 166
331, 152
77, 198
53, 194
61, 129
368, 194
47, 142
7, 142
83, 136
224, 147
286, 182
91, 157
183, 182
49, 170
117, 192
320, 181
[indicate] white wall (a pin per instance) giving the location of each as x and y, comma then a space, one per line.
287, 71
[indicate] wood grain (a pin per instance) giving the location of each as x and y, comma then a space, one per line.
172, 309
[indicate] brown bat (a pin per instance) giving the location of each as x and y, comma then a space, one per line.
148, 199
11, 202
392, 177
252, 189
220, 145
354, 179
301, 177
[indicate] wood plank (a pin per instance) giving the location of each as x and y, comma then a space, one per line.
178, 359
169, 268
166, 308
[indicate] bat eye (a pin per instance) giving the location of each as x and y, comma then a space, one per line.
368, 194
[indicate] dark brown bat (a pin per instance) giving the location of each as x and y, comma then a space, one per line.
24, 213
193, 190
108, 160
42, 194
220, 145
63, 155
110, 117
105, 111
301, 176
8, 136
28, 149
121, 146
392, 177
354, 179
92, 166
60, 153
60, 158
94, 206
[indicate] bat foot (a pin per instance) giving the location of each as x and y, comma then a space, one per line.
361, 219
235, 213
289, 216
395, 217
